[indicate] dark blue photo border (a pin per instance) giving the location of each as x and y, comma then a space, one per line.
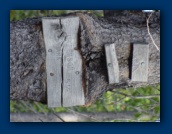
166, 73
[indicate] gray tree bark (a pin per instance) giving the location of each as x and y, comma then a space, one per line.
27, 53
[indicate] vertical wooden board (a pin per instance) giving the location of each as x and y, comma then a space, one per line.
53, 61
112, 63
140, 62
73, 93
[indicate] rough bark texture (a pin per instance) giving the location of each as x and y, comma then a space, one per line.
27, 53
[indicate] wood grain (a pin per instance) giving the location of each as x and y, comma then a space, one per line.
72, 65
112, 63
53, 62
63, 62
140, 62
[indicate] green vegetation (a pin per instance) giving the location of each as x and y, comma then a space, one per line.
144, 101
21, 14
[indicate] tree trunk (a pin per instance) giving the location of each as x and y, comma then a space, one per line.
27, 53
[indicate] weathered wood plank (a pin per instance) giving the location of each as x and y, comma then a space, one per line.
63, 62
112, 63
73, 93
53, 61
140, 62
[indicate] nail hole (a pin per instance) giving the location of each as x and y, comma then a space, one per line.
110, 64
51, 74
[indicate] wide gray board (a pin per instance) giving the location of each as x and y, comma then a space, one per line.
72, 65
64, 88
140, 62
112, 63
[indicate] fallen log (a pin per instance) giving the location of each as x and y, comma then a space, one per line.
28, 77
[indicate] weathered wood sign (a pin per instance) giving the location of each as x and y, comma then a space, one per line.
112, 63
63, 62
140, 62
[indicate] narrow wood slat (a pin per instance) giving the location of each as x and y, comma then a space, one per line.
73, 93
53, 62
140, 62
112, 63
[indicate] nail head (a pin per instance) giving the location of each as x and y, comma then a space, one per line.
51, 74
110, 64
